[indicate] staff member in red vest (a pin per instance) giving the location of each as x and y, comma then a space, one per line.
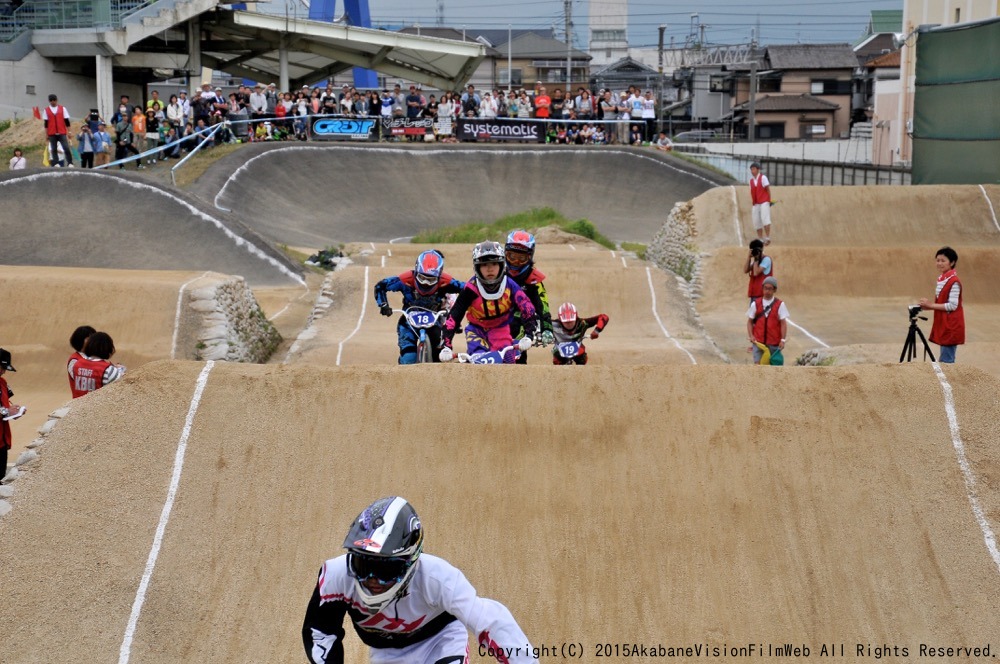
767, 321
949, 317
759, 267
8, 411
94, 369
760, 196
56, 119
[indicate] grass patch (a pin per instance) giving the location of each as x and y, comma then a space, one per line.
636, 248
298, 256
5, 125
196, 166
532, 220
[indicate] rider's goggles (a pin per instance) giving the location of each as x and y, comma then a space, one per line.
386, 570
426, 279
517, 258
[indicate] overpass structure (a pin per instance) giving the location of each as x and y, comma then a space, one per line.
144, 41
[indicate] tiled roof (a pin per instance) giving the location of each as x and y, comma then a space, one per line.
812, 56
532, 45
789, 103
886, 60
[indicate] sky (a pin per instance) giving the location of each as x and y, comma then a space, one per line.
726, 21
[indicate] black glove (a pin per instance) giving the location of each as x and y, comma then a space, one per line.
385, 310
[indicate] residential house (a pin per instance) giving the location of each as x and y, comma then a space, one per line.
883, 72
877, 41
803, 91
536, 58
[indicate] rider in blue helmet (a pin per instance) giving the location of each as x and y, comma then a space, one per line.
520, 256
427, 285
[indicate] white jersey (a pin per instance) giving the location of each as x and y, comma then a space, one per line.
439, 603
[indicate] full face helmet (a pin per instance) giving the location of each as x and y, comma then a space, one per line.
567, 315
519, 252
486, 253
383, 546
427, 271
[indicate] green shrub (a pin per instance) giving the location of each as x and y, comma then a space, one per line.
479, 231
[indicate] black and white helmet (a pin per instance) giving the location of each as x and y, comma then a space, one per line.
384, 543
485, 253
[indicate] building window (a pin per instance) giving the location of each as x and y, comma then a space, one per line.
768, 85
607, 35
829, 87
958, 14
717, 84
515, 80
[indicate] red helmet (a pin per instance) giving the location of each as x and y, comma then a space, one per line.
567, 314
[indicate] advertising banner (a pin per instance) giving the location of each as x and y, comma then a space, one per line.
343, 129
406, 126
500, 130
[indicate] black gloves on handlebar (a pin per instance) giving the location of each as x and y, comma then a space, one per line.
385, 310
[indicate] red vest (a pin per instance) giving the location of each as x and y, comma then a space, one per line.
758, 193
756, 287
949, 327
55, 120
767, 329
4, 426
86, 375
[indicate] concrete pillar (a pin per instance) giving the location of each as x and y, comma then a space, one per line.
105, 86
283, 65
194, 50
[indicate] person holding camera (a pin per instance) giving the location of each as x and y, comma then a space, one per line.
759, 267
85, 146
948, 330
767, 323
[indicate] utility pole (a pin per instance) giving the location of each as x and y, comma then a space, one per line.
659, 100
569, 45
510, 58
753, 96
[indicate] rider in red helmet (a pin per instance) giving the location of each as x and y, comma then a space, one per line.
519, 252
573, 328
427, 285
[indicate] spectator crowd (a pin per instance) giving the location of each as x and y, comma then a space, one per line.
177, 124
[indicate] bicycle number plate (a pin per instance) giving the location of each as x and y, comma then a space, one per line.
568, 349
492, 357
420, 319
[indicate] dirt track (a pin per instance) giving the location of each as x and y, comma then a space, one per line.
641, 499
822, 513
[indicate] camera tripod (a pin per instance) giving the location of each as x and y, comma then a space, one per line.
910, 346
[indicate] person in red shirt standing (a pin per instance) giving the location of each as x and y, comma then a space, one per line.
543, 106
56, 120
760, 195
94, 369
8, 411
948, 329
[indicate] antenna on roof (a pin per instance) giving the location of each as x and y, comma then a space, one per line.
440, 13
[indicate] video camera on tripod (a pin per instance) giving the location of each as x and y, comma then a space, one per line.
910, 345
